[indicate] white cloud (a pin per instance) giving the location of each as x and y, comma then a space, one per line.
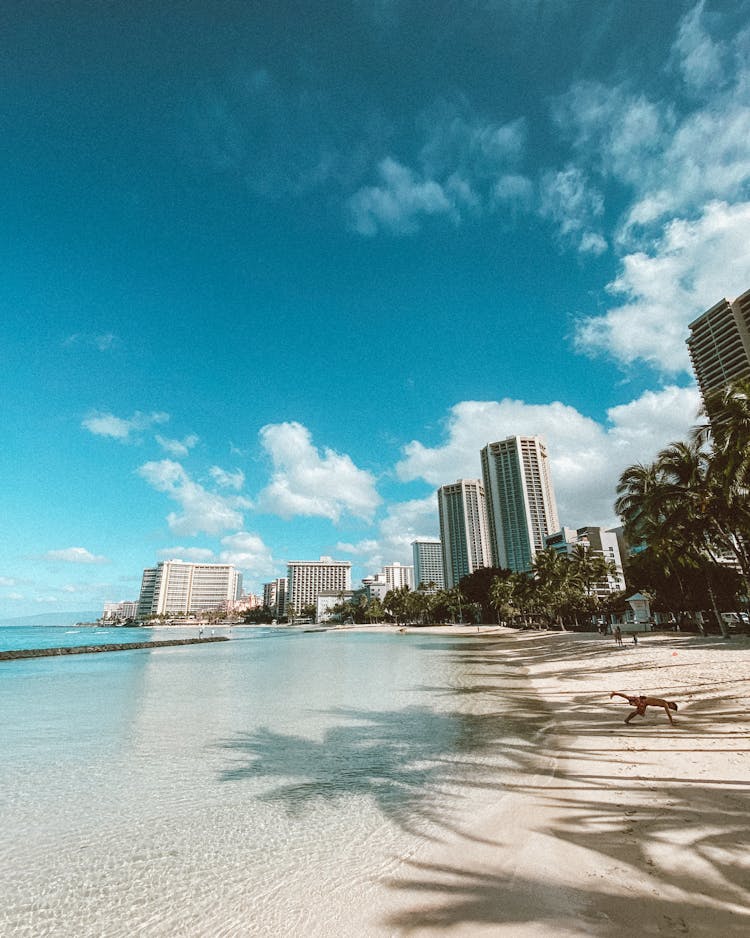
7, 581
202, 511
689, 269
685, 163
398, 202
403, 523
103, 342
360, 549
306, 482
14, 597
466, 163
101, 423
190, 554
74, 555
570, 200
672, 163
700, 59
458, 141
513, 189
248, 552
614, 131
177, 447
586, 457
228, 480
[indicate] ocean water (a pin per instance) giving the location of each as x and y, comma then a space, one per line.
17, 637
271, 785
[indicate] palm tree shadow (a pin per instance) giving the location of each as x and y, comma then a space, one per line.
406, 761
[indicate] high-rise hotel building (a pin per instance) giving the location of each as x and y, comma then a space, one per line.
719, 347
428, 563
307, 579
521, 508
398, 575
463, 529
174, 586
274, 596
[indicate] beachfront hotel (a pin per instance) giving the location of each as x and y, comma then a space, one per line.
274, 596
309, 578
398, 575
126, 609
463, 529
719, 348
521, 508
177, 587
602, 543
428, 563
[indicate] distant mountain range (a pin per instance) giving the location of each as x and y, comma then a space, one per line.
54, 618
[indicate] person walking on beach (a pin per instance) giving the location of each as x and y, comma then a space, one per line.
642, 702
618, 636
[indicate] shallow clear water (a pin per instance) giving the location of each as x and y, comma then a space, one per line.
268, 785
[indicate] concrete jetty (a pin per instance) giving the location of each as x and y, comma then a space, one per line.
91, 649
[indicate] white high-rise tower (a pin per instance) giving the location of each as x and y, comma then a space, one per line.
428, 563
173, 587
307, 579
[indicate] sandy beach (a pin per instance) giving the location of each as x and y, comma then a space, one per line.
598, 828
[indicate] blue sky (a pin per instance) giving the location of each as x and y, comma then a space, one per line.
274, 272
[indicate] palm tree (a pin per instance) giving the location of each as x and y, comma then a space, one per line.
678, 507
636, 504
395, 603
729, 472
589, 570
503, 597
556, 587
418, 606
693, 506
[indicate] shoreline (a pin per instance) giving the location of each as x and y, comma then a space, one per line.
598, 828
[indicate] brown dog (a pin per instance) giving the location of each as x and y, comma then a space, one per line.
640, 703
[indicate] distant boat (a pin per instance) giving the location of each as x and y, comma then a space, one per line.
314, 630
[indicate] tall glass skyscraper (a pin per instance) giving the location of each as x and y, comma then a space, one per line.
463, 529
521, 508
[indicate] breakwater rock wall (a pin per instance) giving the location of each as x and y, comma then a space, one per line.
91, 649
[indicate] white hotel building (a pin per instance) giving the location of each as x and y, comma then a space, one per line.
398, 575
307, 579
125, 609
428, 563
176, 587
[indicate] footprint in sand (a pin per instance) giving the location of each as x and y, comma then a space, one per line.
673, 926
